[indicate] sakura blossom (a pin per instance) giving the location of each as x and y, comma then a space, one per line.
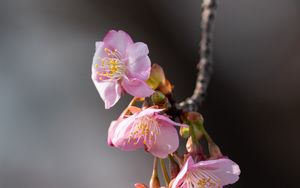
147, 129
120, 65
207, 174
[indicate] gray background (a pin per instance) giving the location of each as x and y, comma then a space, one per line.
53, 125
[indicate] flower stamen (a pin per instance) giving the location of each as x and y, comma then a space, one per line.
112, 68
144, 128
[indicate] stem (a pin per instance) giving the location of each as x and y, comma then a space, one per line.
132, 102
205, 63
171, 158
206, 135
164, 171
154, 181
192, 134
154, 172
179, 159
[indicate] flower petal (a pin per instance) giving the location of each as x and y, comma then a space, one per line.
110, 92
137, 50
166, 142
225, 169
117, 40
136, 87
111, 132
180, 177
121, 137
164, 120
149, 111
99, 54
139, 64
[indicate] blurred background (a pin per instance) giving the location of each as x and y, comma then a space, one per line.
53, 126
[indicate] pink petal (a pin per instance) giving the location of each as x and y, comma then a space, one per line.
180, 177
134, 109
117, 40
121, 136
136, 87
166, 121
137, 50
225, 169
139, 64
149, 112
111, 132
99, 53
110, 92
166, 142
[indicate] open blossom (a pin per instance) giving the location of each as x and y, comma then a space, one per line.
145, 129
140, 185
119, 65
207, 174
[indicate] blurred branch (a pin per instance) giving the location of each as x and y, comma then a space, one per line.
204, 66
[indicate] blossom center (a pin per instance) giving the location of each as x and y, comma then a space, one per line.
203, 179
110, 67
145, 129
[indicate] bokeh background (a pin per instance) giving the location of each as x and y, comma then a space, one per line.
53, 125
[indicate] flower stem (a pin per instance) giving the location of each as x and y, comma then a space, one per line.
154, 172
192, 134
164, 171
154, 181
206, 135
178, 158
132, 102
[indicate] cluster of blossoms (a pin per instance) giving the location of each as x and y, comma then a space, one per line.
150, 120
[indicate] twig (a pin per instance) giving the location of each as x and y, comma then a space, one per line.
205, 64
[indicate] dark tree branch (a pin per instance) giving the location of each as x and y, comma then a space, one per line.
204, 66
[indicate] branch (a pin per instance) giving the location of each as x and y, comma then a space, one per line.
208, 10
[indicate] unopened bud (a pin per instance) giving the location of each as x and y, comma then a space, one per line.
158, 98
191, 147
184, 132
195, 120
214, 151
157, 76
195, 150
140, 185
166, 87
194, 117
174, 167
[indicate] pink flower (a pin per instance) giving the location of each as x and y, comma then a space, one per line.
119, 65
207, 174
145, 128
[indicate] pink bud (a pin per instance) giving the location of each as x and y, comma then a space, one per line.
214, 151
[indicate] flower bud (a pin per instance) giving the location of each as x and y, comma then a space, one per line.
195, 150
194, 117
174, 167
214, 151
191, 147
184, 132
158, 98
157, 76
195, 120
166, 87
140, 185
